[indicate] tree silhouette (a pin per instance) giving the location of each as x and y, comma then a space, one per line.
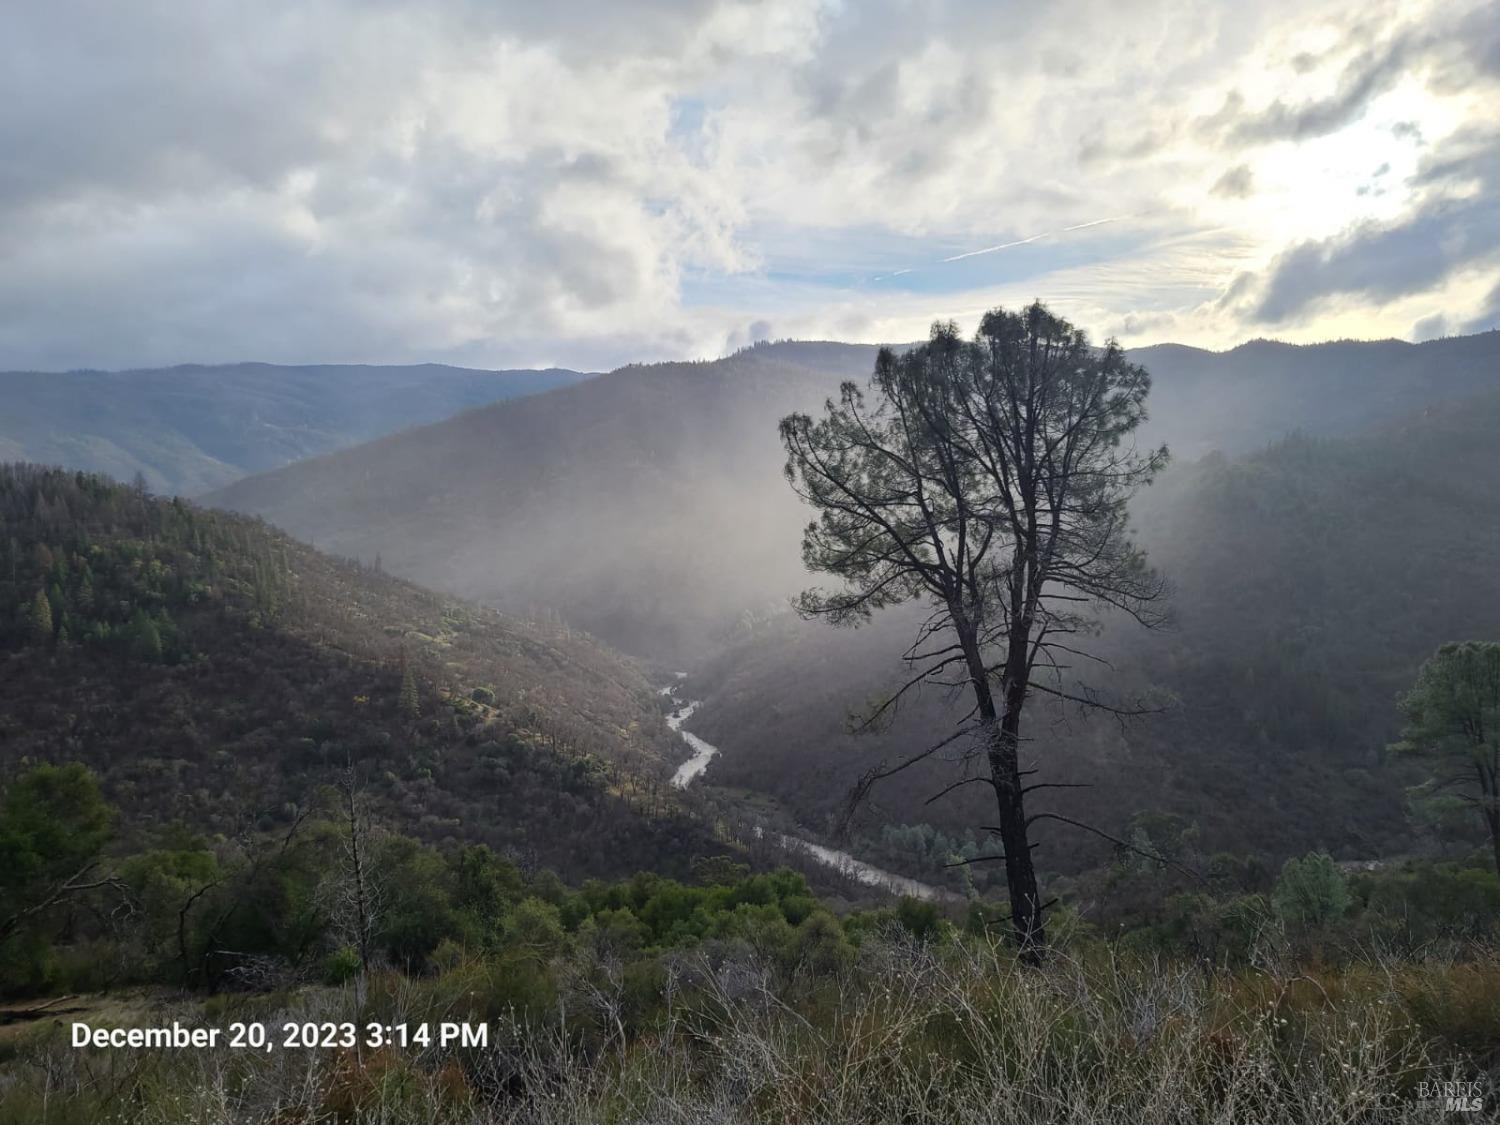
987, 479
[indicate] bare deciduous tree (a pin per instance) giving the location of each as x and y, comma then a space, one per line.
352, 894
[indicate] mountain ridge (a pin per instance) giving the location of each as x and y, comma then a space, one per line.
193, 427
675, 470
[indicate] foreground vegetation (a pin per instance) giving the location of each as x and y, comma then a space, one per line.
733, 996
940, 1028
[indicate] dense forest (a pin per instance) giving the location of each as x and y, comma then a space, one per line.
214, 673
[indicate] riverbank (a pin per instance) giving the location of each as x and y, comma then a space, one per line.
850, 867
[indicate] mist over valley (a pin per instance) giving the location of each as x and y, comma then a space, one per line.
750, 561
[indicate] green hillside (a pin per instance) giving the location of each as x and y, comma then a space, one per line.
215, 672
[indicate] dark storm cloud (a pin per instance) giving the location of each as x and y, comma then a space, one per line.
1372, 74
1452, 222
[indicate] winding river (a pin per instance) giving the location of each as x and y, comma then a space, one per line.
703, 752
842, 862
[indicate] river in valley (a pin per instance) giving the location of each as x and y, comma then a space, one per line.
842, 862
702, 751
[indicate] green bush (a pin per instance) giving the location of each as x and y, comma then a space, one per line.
1311, 892
1416, 904
341, 966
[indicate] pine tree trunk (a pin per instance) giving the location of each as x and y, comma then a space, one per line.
1005, 778
1020, 872
1492, 815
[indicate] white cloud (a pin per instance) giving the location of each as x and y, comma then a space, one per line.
590, 183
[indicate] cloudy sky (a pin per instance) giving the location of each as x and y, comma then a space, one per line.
590, 183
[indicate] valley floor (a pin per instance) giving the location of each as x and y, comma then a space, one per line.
841, 862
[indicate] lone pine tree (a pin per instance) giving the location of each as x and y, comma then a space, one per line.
988, 479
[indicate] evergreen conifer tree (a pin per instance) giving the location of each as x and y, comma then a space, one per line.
39, 618
408, 700
145, 640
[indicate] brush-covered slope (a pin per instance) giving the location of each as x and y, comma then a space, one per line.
215, 672
1312, 578
648, 505
189, 429
1236, 401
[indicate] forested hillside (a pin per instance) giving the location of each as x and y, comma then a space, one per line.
1311, 580
216, 673
648, 505
191, 428
1235, 401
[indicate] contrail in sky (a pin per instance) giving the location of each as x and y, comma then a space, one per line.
1033, 238
992, 249
1009, 245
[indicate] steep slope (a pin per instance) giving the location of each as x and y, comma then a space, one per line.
216, 672
647, 505
191, 428
1235, 401
1312, 578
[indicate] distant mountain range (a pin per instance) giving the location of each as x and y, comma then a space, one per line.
648, 505
192, 428
1236, 401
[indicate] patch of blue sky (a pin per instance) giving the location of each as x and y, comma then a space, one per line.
876, 260
686, 126
700, 288
1010, 264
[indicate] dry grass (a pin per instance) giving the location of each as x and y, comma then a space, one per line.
911, 1033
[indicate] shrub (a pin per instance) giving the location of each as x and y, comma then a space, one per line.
341, 966
1311, 892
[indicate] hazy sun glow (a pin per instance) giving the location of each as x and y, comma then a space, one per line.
518, 185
